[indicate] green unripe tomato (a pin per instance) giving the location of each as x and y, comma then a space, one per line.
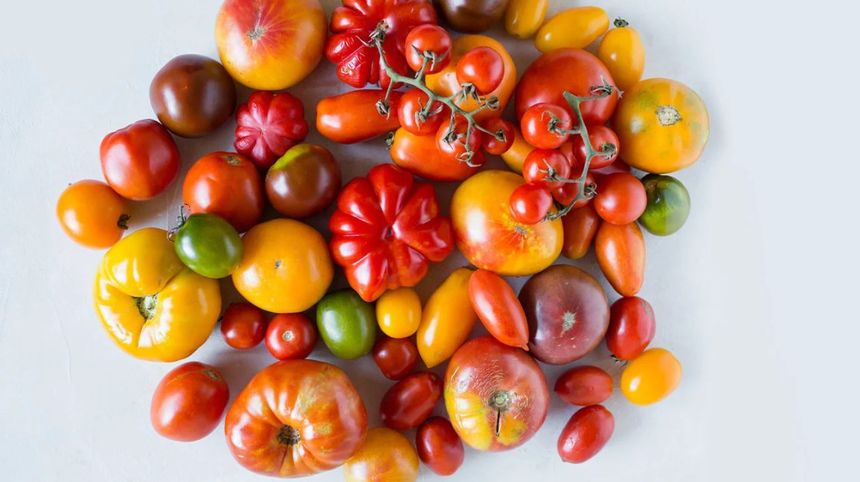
347, 324
208, 245
668, 204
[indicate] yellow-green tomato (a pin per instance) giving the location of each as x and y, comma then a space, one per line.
623, 53
651, 376
524, 17
572, 28
398, 312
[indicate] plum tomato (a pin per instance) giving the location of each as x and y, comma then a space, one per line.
623, 53
631, 327
290, 336
92, 214
188, 402
530, 203
385, 455
602, 139
439, 446
585, 434
354, 116
395, 357
140, 160
496, 304
208, 245
620, 198
482, 67
226, 184
668, 204
410, 401
268, 125
541, 164
430, 42
524, 17
574, 28
415, 118
398, 312
584, 385
243, 326
620, 252
651, 376
545, 126
503, 130
580, 228
452, 143
303, 182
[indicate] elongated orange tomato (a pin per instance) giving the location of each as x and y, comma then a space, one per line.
524, 17
353, 117
519, 150
420, 156
580, 227
498, 308
447, 319
572, 28
620, 251
623, 53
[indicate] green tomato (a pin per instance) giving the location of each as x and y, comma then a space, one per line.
668, 204
347, 324
208, 245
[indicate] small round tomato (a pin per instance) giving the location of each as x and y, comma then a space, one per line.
428, 43
290, 336
503, 138
140, 160
620, 252
585, 434
398, 312
395, 357
226, 184
541, 164
346, 324
631, 327
410, 401
602, 139
651, 376
92, 214
584, 385
386, 455
452, 142
189, 402
530, 203
496, 304
567, 192
580, 228
623, 53
620, 198
208, 245
303, 182
482, 67
416, 117
545, 126
439, 446
243, 326
668, 204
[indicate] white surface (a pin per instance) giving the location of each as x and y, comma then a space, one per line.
752, 295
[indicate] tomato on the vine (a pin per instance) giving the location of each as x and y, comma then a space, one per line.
530, 203
545, 125
631, 327
567, 192
416, 117
542, 164
492, 144
452, 143
603, 140
92, 214
620, 198
188, 402
430, 42
290, 336
482, 67
395, 357
243, 326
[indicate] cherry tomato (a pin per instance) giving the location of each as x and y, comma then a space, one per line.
395, 357
290, 336
398, 312
430, 42
385, 455
542, 163
226, 184
410, 112
530, 203
243, 326
439, 446
651, 376
492, 144
92, 214
631, 327
580, 227
482, 67
602, 139
189, 402
545, 126
584, 385
498, 308
140, 160
585, 434
410, 401
454, 147
620, 198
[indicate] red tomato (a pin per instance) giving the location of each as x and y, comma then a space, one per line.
620, 251
631, 327
268, 125
545, 126
602, 138
500, 127
620, 198
188, 402
430, 42
420, 156
410, 112
290, 336
353, 117
482, 67
410, 401
92, 214
543, 163
580, 227
498, 308
243, 326
584, 385
226, 184
395, 357
140, 160
453, 145
585, 434
617, 166
566, 193
439, 446
530, 203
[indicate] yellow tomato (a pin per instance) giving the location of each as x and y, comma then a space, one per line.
623, 53
286, 267
516, 155
662, 125
651, 376
572, 28
151, 305
398, 312
524, 17
385, 456
447, 319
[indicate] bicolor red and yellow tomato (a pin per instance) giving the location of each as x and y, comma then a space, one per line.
385, 455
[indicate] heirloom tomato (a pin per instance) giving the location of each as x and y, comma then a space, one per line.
546, 126
412, 116
572, 28
584, 385
353, 116
585, 434
188, 402
398, 312
385, 456
395, 357
622, 52
482, 67
208, 245
530, 203
620, 198
290, 336
668, 205
439, 446
651, 376
303, 182
92, 214
492, 144
296, 418
420, 156
410, 401
524, 17
226, 184
580, 228
427, 46
243, 326
620, 250
472, 15
346, 324
140, 160
268, 125
631, 327
447, 319
496, 304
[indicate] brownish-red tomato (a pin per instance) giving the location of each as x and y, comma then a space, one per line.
290, 336
226, 184
580, 227
602, 139
420, 156
92, 214
631, 327
500, 127
395, 357
566, 193
496, 304
439, 446
620, 251
584, 385
303, 182
243, 326
140, 160
585, 434
353, 117
410, 401
188, 402
620, 198
482, 67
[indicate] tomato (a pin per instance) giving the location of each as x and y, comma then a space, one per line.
498, 308
623, 53
617, 166
620, 198
430, 42
668, 205
447, 319
585, 434
501, 128
580, 227
208, 245
386, 230
567, 192
140, 160
482, 67
226, 184
439, 446
286, 267
572, 28
192, 95
545, 126
584, 385
631, 327
567, 311
663, 125
530, 203
516, 155
452, 143
270, 44
188, 402
353, 117
620, 251
243, 326
296, 418
412, 117
602, 139
496, 395
386, 455
410, 401
346, 324
472, 15
395, 357
398, 312
268, 125
153, 306
651, 376
92, 214
303, 182
541, 164
420, 156
290, 336
524, 17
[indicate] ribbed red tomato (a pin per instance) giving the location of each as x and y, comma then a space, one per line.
268, 125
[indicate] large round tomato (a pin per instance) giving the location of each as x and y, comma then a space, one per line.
226, 184
386, 455
140, 160
489, 236
296, 418
92, 214
188, 402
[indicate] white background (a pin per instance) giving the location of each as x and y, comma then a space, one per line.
755, 295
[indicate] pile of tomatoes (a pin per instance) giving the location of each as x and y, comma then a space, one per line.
570, 186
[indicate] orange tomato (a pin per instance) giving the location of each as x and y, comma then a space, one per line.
516, 155
651, 376
420, 156
398, 312
572, 28
623, 53
620, 251
447, 319
580, 227
92, 214
385, 456
524, 17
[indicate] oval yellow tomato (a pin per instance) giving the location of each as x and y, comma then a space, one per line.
524, 17
386, 455
286, 266
662, 124
651, 376
398, 312
623, 53
447, 320
516, 155
572, 28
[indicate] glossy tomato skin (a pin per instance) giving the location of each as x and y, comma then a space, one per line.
395, 357
574, 28
585, 434
524, 17
243, 326
620, 198
620, 251
439, 446
601, 138
668, 205
541, 163
386, 455
447, 319
496, 304
290, 336
410, 401
457, 147
530, 203
188, 402
651, 376
268, 125
92, 214
226, 184
419, 155
580, 228
584, 385
353, 117
409, 109
303, 182
346, 324
296, 418
139, 161
430, 41
632, 326
472, 15
482, 67
398, 312
494, 145
208, 245
623, 53
544, 125
517, 153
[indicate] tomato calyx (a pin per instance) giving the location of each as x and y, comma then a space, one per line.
289, 436
122, 221
147, 306
620, 23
